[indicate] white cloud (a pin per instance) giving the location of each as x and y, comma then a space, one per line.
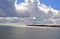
33, 11
11, 20
38, 11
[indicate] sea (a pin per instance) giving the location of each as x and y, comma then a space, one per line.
10, 32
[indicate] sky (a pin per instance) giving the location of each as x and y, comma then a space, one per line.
31, 11
20, 1
53, 3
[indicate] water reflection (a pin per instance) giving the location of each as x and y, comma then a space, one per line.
43, 33
29, 33
6, 32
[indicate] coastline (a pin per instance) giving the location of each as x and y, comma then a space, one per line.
24, 25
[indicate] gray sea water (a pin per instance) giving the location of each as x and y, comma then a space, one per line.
8, 32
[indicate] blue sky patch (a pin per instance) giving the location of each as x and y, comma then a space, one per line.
53, 3
19, 1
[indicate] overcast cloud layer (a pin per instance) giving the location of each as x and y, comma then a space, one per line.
32, 10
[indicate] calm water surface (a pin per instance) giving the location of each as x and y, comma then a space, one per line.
29, 33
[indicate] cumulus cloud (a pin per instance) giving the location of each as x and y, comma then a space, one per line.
34, 9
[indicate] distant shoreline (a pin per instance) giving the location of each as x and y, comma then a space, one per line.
46, 25
29, 26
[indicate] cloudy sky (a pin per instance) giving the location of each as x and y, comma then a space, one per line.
36, 11
53, 3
